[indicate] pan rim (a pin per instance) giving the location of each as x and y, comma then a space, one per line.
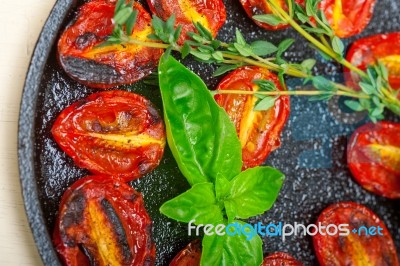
26, 131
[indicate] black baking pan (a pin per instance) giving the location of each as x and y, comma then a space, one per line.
312, 154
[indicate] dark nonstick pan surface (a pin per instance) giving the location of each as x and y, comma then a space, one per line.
312, 154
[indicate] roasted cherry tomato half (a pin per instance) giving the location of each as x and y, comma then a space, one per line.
367, 51
116, 133
348, 18
111, 65
373, 156
260, 7
366, 242
189, 256
280, 259
210, 13
102, 221
258, 131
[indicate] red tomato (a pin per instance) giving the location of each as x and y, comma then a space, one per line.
189, 256
280, 259
103, 221
258, 131
373, 156
354, 248
367, 51
257, 7
210, 13
348, 18
116, 133
111, 65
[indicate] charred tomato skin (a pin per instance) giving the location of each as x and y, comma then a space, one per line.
210, 13
189, 256
257, 7
279, 259
108, 66
353, 249
373, 156
348, 18
368, 50
103, 221
116, 133
259, 131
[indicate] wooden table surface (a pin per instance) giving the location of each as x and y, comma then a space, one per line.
20, 25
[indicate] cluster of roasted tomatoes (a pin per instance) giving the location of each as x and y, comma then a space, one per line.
119, 136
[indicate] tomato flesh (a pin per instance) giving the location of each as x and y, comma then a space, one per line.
116, 133
210, 13
356, 249
103, 221
348, 18
257, 7
258, 131
189, 256
367, 51
111, 65
279, 259
373, 156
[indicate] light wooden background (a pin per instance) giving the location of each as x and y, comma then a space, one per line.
20, 25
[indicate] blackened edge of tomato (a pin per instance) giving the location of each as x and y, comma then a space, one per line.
90, 73
74, 214
119, 231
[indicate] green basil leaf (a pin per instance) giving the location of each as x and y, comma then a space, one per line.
198, 203
263, 48
229, 250
222, 187
254, 191
269, 19
200, 134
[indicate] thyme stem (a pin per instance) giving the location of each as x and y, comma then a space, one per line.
291, 93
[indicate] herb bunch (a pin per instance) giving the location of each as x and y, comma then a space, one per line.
314, 26
211, 161
375, 94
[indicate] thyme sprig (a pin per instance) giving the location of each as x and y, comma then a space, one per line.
375, 94
317, 30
